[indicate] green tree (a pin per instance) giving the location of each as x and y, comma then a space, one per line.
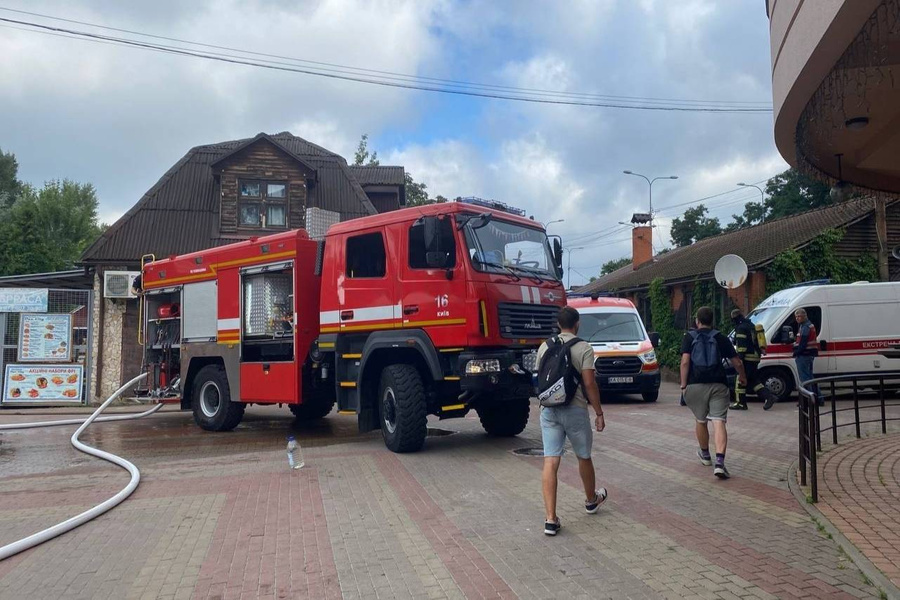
754, 214
793, 192
10, 186
48, 229
363, 157
694, 226
416, 193
614, 265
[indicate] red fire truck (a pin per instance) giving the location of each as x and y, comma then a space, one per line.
429, 310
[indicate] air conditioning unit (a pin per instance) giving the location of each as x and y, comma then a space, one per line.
117, 284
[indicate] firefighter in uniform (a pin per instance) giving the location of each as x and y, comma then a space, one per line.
750, 344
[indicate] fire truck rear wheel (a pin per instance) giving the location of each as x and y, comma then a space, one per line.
211, 402
401, 399
505, 419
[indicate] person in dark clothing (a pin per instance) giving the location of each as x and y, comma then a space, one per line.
749, 350
704, 385
806, 349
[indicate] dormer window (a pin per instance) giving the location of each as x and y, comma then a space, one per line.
263, 204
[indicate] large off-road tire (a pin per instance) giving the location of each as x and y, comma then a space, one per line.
779, 381
650, 396
317, 401
211, 401
505, 419
401, 408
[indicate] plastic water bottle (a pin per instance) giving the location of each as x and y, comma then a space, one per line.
294, 453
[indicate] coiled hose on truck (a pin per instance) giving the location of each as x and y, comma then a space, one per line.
78, 520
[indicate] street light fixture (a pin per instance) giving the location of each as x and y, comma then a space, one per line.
762, 194
650, 182
569, 266
547, 226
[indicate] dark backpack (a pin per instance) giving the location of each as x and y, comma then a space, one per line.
557, 377
706, 362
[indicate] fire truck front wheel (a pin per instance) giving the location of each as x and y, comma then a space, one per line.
212, 405
504, 419
402, 408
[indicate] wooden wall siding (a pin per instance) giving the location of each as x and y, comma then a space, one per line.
860, 238
384, 202
262, 161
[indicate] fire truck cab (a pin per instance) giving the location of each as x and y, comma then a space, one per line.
432, 310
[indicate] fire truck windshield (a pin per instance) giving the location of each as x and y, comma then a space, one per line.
498, 246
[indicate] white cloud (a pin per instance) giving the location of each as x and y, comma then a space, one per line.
120, 117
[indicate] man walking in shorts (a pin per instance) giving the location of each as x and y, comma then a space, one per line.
573, 422
704, 385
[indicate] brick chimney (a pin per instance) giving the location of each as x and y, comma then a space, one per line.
641, 240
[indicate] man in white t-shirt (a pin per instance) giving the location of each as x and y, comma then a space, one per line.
573, 422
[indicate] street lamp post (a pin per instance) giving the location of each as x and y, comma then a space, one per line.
762, 194
650, 182
569, 266
547, 226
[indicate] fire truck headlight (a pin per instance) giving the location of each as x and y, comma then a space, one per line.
479, 365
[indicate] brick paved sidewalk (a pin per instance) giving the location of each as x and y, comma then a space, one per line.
859, 494
220, 515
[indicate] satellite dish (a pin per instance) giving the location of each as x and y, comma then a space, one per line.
731, 271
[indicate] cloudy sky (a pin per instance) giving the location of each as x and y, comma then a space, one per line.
119, 117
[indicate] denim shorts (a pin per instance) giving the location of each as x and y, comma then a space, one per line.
561, 422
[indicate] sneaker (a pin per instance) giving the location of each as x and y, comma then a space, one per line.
600, 497
721, 472
771, 399
551, 527
705, 460
737, 406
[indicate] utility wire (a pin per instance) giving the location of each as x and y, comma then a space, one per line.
345, 68
698, 200
518, 96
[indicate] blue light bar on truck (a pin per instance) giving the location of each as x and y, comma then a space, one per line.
493, 204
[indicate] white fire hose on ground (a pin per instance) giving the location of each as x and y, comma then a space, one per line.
69, 524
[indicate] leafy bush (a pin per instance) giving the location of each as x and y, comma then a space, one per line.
664, 324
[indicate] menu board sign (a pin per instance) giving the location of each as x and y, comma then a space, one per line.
45, 338
23, 300
42, 383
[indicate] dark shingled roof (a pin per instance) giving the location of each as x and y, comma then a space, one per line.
757, 245
379, 175
180, 213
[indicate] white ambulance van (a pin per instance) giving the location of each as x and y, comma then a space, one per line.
624, 353
854, 322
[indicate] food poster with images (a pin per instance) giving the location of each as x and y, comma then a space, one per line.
42, 383
45, 338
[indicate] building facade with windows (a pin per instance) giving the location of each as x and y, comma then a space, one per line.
218, 194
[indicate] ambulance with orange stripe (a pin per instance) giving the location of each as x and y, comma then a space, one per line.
434, 310
854, 322
624, 353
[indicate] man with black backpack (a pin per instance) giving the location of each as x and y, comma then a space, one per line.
704, 385
566, 384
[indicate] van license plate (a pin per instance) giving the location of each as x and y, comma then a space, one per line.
621, 380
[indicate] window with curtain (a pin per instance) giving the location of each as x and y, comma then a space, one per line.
262, 204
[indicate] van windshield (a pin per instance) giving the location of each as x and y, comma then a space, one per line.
610, 327
766, 316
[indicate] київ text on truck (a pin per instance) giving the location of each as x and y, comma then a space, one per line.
433, 310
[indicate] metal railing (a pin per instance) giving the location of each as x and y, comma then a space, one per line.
867, 392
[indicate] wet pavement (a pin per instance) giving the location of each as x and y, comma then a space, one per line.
221, 516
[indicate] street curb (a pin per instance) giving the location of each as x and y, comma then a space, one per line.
862, 563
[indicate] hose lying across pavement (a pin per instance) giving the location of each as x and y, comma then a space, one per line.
69, 524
